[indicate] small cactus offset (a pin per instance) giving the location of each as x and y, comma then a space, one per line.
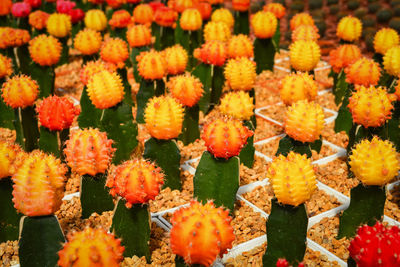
39, 181
88, 153
293, 181
91, 247
136, 182
376, 245
217, 175
164, 118
200, 233
304, 123
375, 164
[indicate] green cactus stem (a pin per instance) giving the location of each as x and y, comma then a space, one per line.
264, 54
127, 86
218, 80
386, 79
340, 86
156, 32
246, 155
40, 240
287, 144
90, 115
9, 217
48, 141
180, 262
44, 75
167, 37
4, 21
135, 51
344, 119
241, 22
276, 39
217, 179
366, 207
118, 32
29, 125
24, 59
6, 113
64, 52
190, 127
189, 40
94, 195
132, 225
165, 153
287, 234
204, 73
147, 89
76, 27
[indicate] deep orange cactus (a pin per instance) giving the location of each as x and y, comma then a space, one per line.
201, 232
20, 91
304, 55
105, 89
370, 106
91, 247
176, 58
59, 25
240, 46
180, 5
216, 31
164, 117
120, 19
240, 73
306, 33
264, 24
93, 67
95, 19
344, 56
88, 151
45, 50
39, 181
304, 121
224, 138
10, 37
212, 52
237, 104
187, 89
88, 41
298, 86
223, 15
143, 14
114, 50
385, 39
38, 19
137, 181
241, 5
363, 72
204, 8
191, 20
275, 8
349, 29
5, 66
5, 7
165, 16
152, 65
8, 155
138, 35
301, 19
57, 113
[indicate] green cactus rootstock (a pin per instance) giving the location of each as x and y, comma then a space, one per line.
132, 225
366, 207
287, 234
9, 217
241, 25
94, 195
190, 126
246, 155
217, 179
40, 240
287, 144
165, 153
147, 89
204, 73
264, 54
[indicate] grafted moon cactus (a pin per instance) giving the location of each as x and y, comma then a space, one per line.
299, 86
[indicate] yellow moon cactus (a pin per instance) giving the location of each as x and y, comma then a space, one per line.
301, 19
20, 91
95, 19
240, 73
298, 86
306, 33
59, 25
88, 41
385, 39
374, 162
5, 66
187, 89
164, 117
304, 55
363, 72
293, 178
191, 20
264, 24
304, 121
216, 31
349, 29
8, 155
45, 50
223, 15
176, 58
240, 46
391, 61
114, 50
237, 104
152, 65
138, 35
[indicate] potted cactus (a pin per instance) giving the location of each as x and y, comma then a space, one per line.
375, 164
88, 153
217, 175
38, 198
293, 181
205, 220
241, 11
59, 25
135, 182
279, 11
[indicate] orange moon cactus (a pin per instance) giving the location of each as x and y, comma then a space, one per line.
363, 72
176, 58
138, 35
143, 14
45, 50
224, 138
241, 5
20, 91
5, 66
165, 16
38, 184
187, 89
93, 67
275, 8
8, 155
115, 50
201, 232
237, 104
216, 31
38, 19
344, 56
298, 86
137, 181
301, 19
88, 151
152, 65
306, 33
120, 19
88, 41
191, 20
240, 46
264, 24
212, 52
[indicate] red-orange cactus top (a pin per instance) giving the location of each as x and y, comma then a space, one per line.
165, 16
88, 151
143, 14
137, 181
344, 56
225, 138
277, 9
363, 72
201, 232
212, 52
115, 50
120, 19
57, 113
